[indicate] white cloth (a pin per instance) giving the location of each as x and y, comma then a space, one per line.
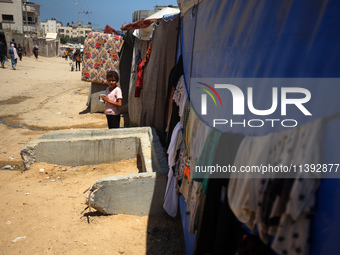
243, 189
172, 146
171, 198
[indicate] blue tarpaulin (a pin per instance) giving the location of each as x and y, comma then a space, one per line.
275, 39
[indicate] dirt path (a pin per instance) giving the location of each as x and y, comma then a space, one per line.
41, 210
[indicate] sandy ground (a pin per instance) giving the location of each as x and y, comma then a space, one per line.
42, 210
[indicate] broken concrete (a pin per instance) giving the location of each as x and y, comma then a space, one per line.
134, 194
137, 194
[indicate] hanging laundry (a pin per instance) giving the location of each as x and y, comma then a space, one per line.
278, 207
243, 190
296, 221
172, 116
171, 198
206, 158
140, 69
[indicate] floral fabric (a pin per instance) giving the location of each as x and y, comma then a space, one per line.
100, 56
109, 30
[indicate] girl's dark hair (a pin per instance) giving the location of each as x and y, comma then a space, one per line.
112, 74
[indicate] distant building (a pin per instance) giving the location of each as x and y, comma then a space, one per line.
75, 30
160, 7
20, 15
50, 26
143, 14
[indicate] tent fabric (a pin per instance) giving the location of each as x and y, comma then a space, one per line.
100, 56
138, 24
135, 103
275, 45
156, 75
146, 33
162, 12
168, 17
274, 39
125, 60
185, 5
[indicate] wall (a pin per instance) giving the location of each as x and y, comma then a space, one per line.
47, 48
18, 38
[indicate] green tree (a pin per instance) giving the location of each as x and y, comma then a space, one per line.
63, 40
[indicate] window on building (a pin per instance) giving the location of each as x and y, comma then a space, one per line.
6, 17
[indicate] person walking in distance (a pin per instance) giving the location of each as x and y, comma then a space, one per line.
66, 54
13, 42
19, 50
77, 57
14, 56
36, 51
113, 100
71, 57
2, 53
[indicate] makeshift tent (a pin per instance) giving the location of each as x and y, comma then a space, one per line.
246, 41
149, 105
125, 62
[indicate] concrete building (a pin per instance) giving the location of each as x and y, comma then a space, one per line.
143, 14
75, 30
11, 15
20, 16
50, 26
31, 17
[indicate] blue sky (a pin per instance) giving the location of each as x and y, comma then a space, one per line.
111, 12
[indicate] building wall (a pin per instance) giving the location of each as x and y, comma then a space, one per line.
142, 14
16, 16
49, 26
74, 31
47, 48
18, 38
13, 8
33, 17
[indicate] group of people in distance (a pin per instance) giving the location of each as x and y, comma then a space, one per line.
113, 94
74, 56
15, 52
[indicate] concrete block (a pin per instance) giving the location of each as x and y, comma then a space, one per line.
137, 194
134, 194
96, 104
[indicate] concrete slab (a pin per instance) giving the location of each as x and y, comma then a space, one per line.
134, 194
96, 104
137, 194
